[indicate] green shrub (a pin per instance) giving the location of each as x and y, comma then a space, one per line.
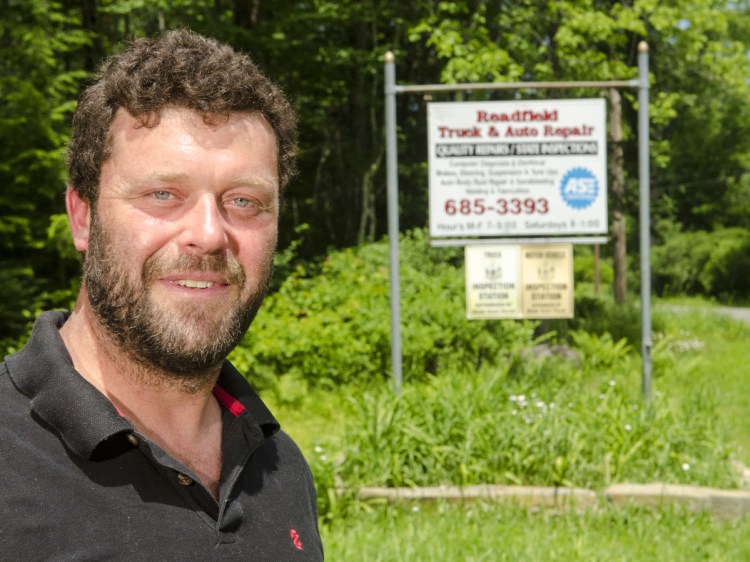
601, 315
715, 264
330, 323
584, 267
600, 351
728, 269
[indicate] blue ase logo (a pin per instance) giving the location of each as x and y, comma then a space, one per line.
579, 188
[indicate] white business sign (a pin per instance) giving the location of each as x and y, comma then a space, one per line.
517, 168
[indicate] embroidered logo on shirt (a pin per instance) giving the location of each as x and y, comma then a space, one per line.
295, 539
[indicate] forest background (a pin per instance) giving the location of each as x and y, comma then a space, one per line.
328, 56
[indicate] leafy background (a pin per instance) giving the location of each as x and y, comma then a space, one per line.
328, 57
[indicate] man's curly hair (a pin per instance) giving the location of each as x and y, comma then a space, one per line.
182, 69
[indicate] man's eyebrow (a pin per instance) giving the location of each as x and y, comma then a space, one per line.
161, 177
244, 181
255, 181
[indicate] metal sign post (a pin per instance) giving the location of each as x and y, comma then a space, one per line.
392, 89
645, 217
393, 233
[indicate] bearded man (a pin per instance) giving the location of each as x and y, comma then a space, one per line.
124, 432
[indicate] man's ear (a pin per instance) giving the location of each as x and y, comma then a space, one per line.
79, 216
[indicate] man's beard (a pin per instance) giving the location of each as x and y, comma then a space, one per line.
182, 339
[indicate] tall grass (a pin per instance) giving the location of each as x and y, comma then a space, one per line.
713, 354
534, 422
498, 424
552, 422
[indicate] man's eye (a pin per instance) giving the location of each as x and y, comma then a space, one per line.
162, 195
248, 204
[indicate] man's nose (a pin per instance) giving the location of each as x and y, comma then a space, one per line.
204, 228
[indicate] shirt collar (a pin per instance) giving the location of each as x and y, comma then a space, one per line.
232, 384
82, 416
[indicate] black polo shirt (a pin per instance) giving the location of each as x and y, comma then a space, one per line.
78, 482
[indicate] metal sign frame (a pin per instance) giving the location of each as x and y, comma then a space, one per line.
392, 89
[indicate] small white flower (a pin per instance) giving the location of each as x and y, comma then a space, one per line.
513, 412
324, 458
628, 427
415, 508
612, 383
318, 449
551, 405
685, 466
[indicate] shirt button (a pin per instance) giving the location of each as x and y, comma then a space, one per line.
184, 479
133, 439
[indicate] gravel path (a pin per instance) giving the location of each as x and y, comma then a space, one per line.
738, 313
735, 312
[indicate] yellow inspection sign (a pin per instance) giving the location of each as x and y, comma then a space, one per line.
493, 287
547, 281
512, 281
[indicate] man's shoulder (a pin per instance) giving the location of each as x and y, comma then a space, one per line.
11, 403
42, 351
10, 396
287, 448
19, 433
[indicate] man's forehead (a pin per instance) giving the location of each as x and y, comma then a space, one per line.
191, 127
209, 119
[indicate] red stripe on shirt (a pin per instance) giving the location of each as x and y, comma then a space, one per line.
228, 401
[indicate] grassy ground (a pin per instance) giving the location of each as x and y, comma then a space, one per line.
493, 533
721, 363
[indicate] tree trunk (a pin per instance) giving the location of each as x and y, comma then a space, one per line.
367, 218
618, 196
90, 22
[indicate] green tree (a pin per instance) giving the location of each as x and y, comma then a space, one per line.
329, 56
38, 83
700, 127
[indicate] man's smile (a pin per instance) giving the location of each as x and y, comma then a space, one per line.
193, 284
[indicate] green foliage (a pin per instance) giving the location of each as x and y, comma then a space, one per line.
601, 316
700, 345
600, 351
584, 267
330, 323
499, 425
710, 263
547, 425
328, 56
37, 90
